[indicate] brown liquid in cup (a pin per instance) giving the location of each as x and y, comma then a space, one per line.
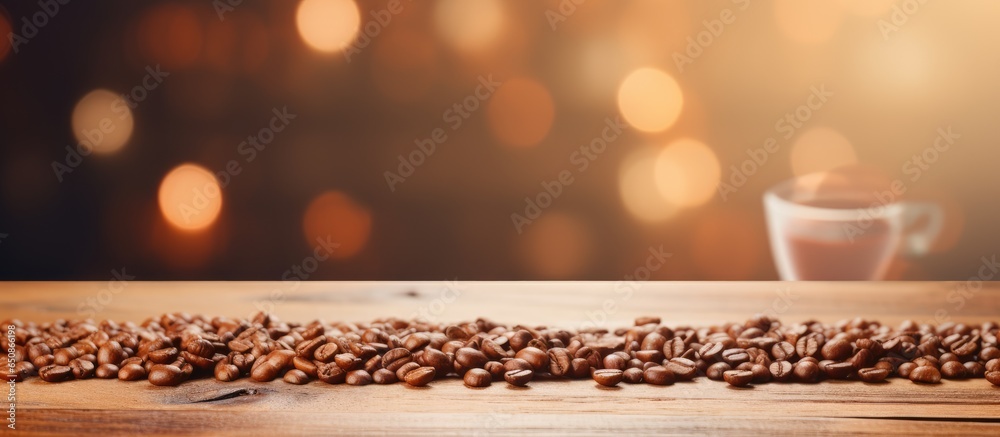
840, 259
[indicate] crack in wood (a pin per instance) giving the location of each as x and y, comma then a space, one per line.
221, 395
931, 419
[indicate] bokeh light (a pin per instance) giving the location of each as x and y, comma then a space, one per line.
190, 197
650, 100
328, 25
867, 8
170, 35
334, 216
637, 187
687, 173
469, 25
808, 21
521, 112
820, 149
557, 246
103, 121
649, 29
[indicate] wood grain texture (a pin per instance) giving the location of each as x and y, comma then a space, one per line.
556, 407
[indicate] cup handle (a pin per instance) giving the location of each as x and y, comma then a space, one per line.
918, 243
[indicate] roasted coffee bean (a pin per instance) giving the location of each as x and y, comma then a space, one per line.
836, 350
110, 353
652, 341
471, 358
201, 347
163, 356
581, 367
384, 376
683, 368
331, 373
974, 369
326, 353
518, 378
953, 370
560, 361
477, 378
82, 369
735, 356
658, 375
55, 373
608, 377
738, 378
925, 375
904, 369
632, 375
132, 372
807, 346
806, 371
348, 361
872, 374
761, 374
781, 370
225, 371
438, 360
711, 351
420, 376
406, 368
838, 370
396, 358
495, 368
993, 365
993, 377
492, 350
64, 355
538, 359
106, 371
358, 377
783, 351
297, 377
166, 375
716, 370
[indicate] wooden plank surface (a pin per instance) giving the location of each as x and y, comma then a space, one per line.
547, 407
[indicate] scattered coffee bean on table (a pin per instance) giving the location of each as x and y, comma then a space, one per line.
172, 349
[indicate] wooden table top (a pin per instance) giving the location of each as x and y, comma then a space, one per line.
553, 407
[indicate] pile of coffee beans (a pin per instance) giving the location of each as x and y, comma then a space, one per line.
174, 348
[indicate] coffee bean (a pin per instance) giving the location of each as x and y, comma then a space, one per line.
581, 368
683, 368
163, 356
873, 374
420, 377
836, 349
711, 351
993, 377
385, 376
166, 375
806, 371
358, 377
783, 351
632, 375
738, 378
495, 368
608, 377
404, 369
326, 353
926, 375
761, 374
63, 356
225, 371
614, 362
659, 375
492, 350
807, 346
82, 369
538, 359
518, 378
993, 365
106, 371
396, 358
477, 378
974, 369
735, 356
55, 373
132, 372
716, 370
470, 358
331, 373
781, 370
110, 353
953, 370
348, 361
560, 362
904, 369
201, 347
296, 376
438, 360
838, 370
645, 320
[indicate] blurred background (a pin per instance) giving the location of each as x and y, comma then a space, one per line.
477, 139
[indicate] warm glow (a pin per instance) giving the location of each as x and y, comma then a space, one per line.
821, 149
727, 245
557, 246
637, 187
103, 121
808, 21
521, 112
649, 30
867, 8
170, 35
469, 24
405, 64
328, 25
5, 30
336, 218
650, 100
687, 173
190, 197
